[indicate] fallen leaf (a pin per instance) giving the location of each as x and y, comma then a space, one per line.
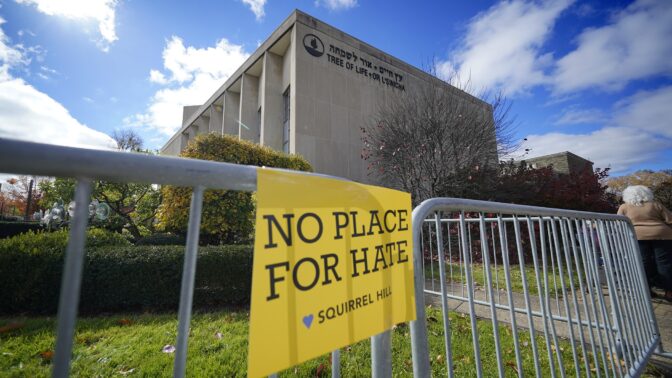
320, 370
168, 349
126, 372
124, 322
47, 355
439, 358
11, 327
513, 366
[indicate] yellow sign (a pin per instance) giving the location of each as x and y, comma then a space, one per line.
333, 264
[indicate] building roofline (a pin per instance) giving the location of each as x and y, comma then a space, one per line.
284, 27
558, 154
379, 54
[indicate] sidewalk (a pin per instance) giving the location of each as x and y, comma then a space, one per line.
663, 311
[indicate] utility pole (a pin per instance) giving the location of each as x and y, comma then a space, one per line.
30, 199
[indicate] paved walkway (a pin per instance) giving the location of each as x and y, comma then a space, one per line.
662, 310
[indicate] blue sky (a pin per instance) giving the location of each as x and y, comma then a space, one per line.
587, 76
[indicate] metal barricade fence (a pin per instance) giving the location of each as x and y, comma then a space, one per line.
85, 165
610, 322
570, 282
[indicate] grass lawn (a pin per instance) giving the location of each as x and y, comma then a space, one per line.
499, 277
131, 345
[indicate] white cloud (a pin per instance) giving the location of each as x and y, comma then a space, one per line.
615, 147
23, 32
636, 44
650, 111
503, 46
190, 76
10, 56
573, 116
155, 76
336, 4
257, 7
28, 114
100, 11
637, 133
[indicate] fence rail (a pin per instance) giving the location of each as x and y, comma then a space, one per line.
85, 165
560, 274
551, 274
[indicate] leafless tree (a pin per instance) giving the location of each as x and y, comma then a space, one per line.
439, 141
127, 140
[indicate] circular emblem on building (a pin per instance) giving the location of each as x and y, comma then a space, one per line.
313, 45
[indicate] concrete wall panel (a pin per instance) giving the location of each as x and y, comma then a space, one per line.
287, 61
231, 113
249, 114
215, 124
272, 111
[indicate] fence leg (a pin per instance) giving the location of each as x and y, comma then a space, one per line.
381, 355
68, 302
419, 342
188, 276
336, 364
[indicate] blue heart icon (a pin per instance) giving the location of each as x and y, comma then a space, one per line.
308, 320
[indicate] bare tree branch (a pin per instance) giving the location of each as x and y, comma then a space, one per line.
433, 141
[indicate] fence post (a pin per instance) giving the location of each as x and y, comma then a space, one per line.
419, 342
68, 302
336, 364
188, 276
381, 355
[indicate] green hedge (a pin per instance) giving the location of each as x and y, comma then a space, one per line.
228, 216
119, 277
9, 229
162, 239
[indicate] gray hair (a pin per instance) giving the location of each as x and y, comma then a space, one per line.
637, 195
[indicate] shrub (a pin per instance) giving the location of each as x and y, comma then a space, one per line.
162, 239
56, 241
31, 265
227, 215
9, 229
123, 278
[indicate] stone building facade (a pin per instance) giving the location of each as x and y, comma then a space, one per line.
562, 162
308, 89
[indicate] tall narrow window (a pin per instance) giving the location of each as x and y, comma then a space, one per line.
285, 122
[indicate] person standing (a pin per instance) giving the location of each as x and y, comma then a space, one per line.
653, 226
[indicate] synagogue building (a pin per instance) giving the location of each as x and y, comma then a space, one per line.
308, 90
